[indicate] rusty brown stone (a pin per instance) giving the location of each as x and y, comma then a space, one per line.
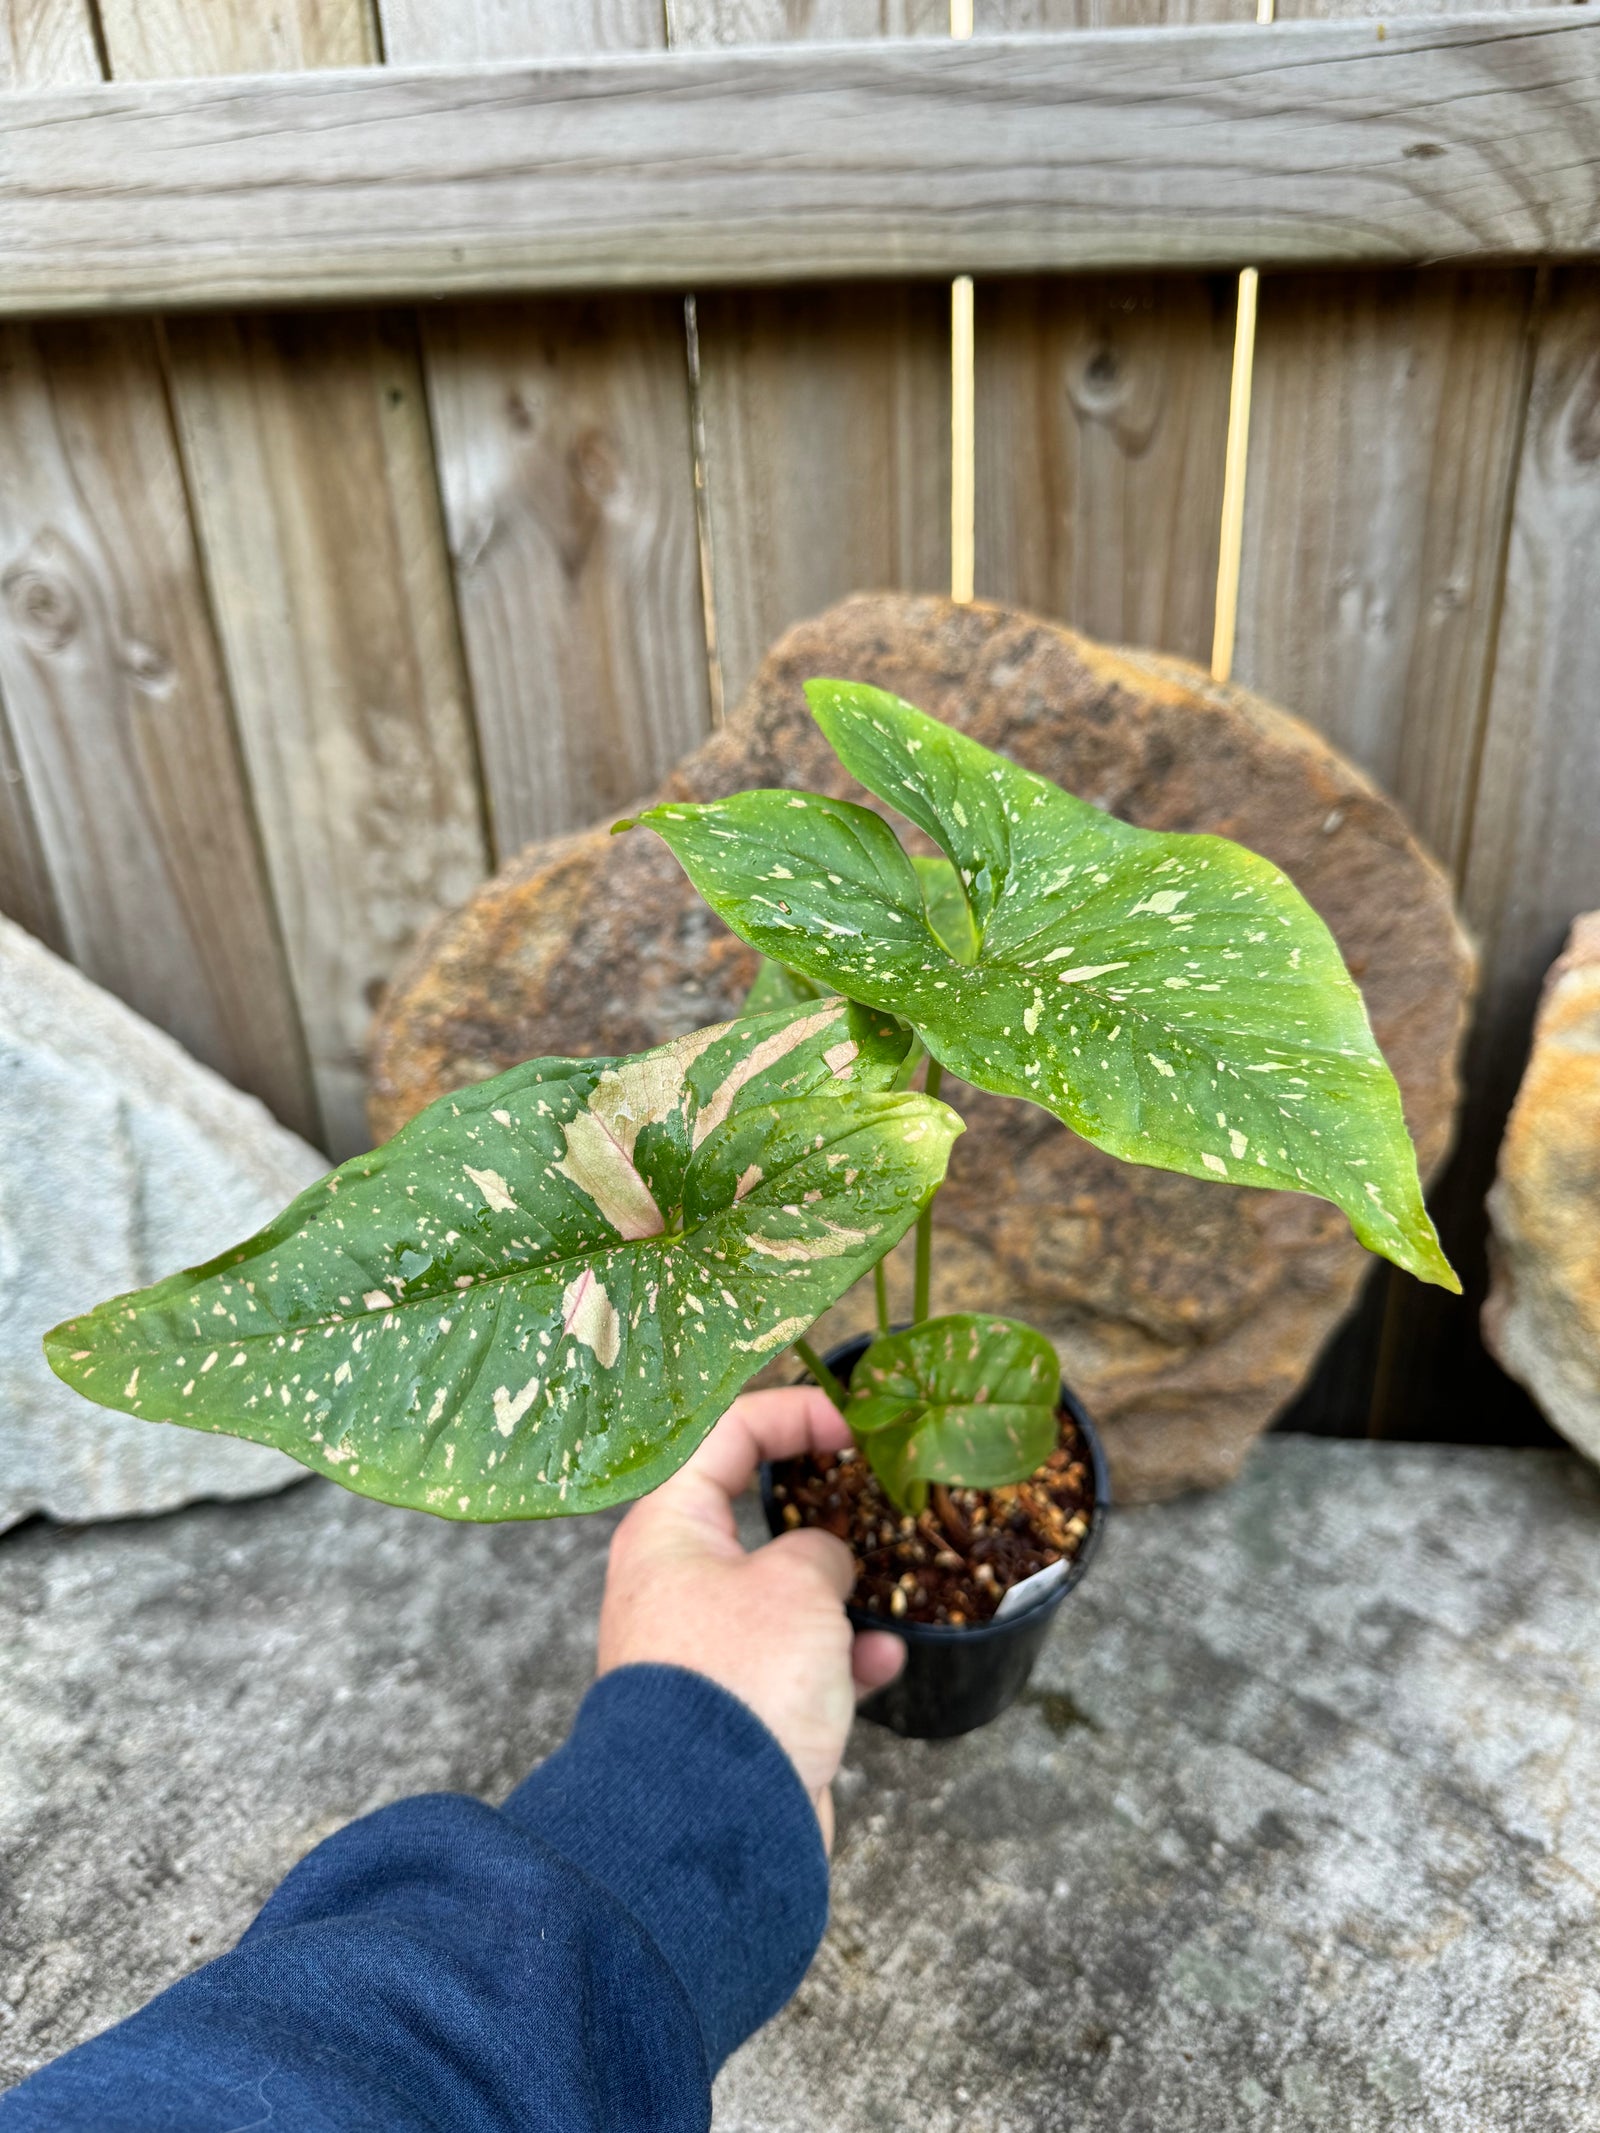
1187, 1314
1542, 1317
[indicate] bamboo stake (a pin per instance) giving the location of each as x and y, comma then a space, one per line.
963, 412
1230, 556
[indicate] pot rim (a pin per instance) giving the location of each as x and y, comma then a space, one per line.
850, 1352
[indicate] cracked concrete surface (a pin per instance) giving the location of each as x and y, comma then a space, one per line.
1297, 1827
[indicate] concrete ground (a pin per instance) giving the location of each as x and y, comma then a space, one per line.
1297, 1827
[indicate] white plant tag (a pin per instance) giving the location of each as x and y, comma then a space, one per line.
1032, 1590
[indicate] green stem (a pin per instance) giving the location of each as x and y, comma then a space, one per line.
820, 1371
923, 1288
880, 1288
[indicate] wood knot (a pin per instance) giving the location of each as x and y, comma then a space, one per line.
43, 605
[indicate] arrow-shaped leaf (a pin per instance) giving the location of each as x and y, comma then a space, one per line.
971, 1401
541, 1293
1172, 998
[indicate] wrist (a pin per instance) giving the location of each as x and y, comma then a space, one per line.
675, 1796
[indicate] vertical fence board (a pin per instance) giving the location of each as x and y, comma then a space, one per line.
27, 893
567, 467
825, 411
127, 830
306, 445
1102, 413
110, 670
154, 40
730, 22
415, 31
1382, 450
46, 43
1533, 849
827, 426
994, 18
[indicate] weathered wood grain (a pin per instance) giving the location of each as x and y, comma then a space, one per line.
827, 426
126, 838
1532, 857
46, 41
417, 31
1102, 427
567, 468
1309, 142
110, 674
824, 414
26, 891
40, 41
997, 17
1382, 451
305, 443
705, 23
148, 40
565, 455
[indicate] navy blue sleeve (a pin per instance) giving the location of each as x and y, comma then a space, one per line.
580, 1960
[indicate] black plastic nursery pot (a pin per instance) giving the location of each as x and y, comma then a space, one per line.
958, 1678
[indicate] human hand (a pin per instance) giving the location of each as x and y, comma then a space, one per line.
769, 1626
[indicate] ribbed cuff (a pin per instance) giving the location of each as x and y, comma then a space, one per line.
675, 1797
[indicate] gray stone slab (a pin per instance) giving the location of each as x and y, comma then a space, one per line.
121, 1160
1299, 1826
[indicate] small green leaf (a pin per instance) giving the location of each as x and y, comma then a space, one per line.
949, 913
539, 1296
970, 1401
1172, 998
774, 986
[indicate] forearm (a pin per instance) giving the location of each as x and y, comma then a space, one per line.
582, 1958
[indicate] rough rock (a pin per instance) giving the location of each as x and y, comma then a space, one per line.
1542, 1317
1186, 1314
124, 1159
1298, 1827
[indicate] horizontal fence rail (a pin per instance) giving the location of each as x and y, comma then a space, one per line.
1310, 143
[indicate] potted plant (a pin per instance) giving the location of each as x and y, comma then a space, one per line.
540, 1294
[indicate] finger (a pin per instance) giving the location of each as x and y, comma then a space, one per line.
875, 1659
829, 1558
696, 1503
778, 1424
823, 1802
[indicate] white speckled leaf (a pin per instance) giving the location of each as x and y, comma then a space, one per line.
539, 1296
965, 1400
1172, 998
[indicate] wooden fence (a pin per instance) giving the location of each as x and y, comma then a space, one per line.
633, 345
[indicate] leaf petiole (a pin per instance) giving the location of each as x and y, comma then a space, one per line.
923, 1289
820, 1371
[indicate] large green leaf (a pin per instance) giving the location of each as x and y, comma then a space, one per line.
541, 1293
1172, 998
960, 1399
